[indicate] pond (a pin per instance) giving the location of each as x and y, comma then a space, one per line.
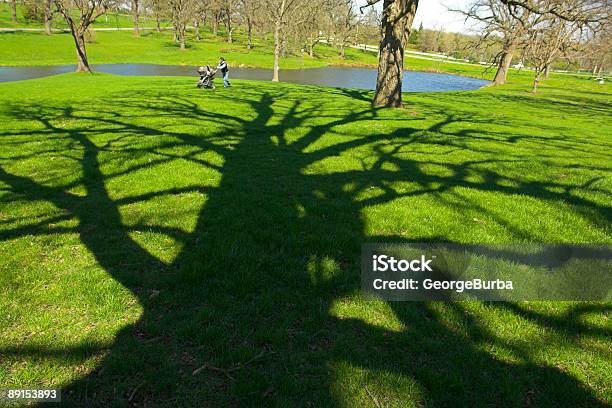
338, 77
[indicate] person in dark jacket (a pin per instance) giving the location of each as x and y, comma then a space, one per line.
224, 71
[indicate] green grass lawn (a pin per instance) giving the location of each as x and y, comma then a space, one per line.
26, 48
109, 20
149, 229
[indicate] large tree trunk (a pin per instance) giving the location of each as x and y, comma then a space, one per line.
135, 13
48, 17
277, 50
14, 10
396, 23
504, 64
158, 23
79, 42
547, 71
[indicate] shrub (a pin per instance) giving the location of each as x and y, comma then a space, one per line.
33, 11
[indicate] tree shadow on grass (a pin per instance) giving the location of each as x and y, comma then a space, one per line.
248, 312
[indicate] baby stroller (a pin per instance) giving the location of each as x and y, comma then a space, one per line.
206, 78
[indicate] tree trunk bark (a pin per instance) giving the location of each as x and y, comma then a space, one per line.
157, 22
277, 49
228, 25
249, 33
396, 23
342, 50
82, 62
547, 71
196, 25
48, 17
504, 64
135, 12
283, 45
14, 10
215, 25
181, 35
311, 45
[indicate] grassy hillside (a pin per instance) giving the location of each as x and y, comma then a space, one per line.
33, 48
110, 20
165, 246
153, 47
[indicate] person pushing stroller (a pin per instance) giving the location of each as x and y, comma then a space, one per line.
223, 67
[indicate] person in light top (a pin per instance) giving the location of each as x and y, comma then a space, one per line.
224, 71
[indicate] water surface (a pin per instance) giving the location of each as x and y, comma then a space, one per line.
337, 77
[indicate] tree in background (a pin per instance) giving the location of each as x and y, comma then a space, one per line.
159, 8
48, 16
281, 13
216, 11
89, 11
229, 8
13, 10
597, 52
547, 41
135, 6
39, 11
199, 16
182, 12
249, 10
343, 23
505, 21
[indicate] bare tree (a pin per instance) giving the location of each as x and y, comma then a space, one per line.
159, 9
89, 11
396, 23
547, 41
344, 22
248, 9
182, 12
14, 10
498, 19
229, 10
280, 13
135, 5
597, 51
48, 17
217, 12
590, 12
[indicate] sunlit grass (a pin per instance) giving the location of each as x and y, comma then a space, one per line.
148, 229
